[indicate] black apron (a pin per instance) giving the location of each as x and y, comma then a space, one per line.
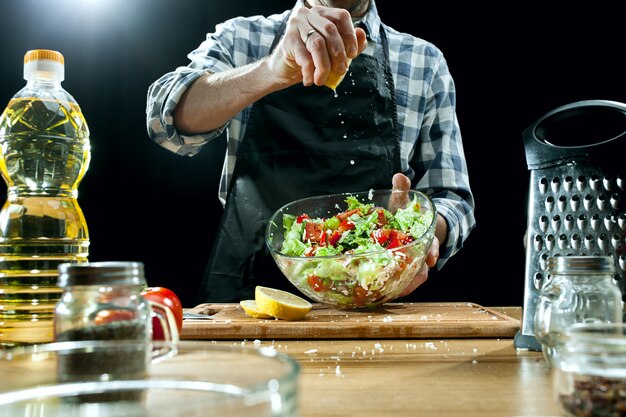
301, 142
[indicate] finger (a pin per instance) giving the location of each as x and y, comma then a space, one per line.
419, 279
400, 184
433, 253
361, 41
322, 64
335, 26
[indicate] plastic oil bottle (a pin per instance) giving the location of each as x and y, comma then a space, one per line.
44, 154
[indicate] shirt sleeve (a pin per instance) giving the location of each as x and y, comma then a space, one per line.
441, 161
215, 54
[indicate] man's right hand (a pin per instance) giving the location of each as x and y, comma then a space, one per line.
317, 40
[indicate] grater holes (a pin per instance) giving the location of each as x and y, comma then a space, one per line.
562, 203
595, 182
603, 242
615, 201
581, 183
568, 184
550, 242
595, 221
563, 241
608, 182
621, 181
549, 203
555, 184
575, 241
609, 222
582, 221
588, 202
575, 202
538, 280
538, 243
543, 185
621, 262
589, 241
556, 223
601, 202
621, 221
543, 223
569, 222
616, 241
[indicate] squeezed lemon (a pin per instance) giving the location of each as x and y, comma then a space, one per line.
334, 79
281, 304
251, 309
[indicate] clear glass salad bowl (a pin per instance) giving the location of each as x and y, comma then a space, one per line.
353, 250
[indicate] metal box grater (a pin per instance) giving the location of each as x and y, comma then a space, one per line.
576, 155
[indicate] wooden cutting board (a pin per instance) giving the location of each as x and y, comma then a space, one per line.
390, 321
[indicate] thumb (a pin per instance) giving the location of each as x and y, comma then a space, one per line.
400, 182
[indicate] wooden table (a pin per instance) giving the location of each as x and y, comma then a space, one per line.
455, 377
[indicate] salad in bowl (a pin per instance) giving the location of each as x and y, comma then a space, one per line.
353, 250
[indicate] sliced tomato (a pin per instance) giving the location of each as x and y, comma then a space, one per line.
334, 238
301, 218
314, 232
344, 215
318, 284
360, 295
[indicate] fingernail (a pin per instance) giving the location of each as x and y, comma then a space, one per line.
352, 51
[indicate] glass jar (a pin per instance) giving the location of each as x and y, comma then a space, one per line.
590, 375
581, 290
102, 301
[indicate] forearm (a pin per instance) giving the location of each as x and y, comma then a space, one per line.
213, 99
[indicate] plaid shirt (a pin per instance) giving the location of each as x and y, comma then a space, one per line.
431, 147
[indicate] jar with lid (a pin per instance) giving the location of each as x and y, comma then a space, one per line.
590, 376
580, 290
102, 301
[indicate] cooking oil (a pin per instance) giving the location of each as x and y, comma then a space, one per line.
44, 154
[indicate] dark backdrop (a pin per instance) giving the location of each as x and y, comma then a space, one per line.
146, 204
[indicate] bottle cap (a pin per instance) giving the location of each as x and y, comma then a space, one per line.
45, 62
101, 273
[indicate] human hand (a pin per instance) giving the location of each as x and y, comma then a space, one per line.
402, 183
317, 41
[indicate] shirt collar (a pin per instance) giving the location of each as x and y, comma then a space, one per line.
370, 22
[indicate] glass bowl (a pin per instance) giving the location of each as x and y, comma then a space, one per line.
590, 373
191, 379
365, 278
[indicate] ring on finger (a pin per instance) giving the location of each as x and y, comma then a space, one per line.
309, 33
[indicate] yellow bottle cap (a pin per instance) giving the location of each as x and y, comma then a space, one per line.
44, 62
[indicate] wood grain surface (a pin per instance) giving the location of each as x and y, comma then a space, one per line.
391, 321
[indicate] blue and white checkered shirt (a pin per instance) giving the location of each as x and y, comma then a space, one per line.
431, 146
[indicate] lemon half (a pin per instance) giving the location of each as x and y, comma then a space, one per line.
251, 309
281, 304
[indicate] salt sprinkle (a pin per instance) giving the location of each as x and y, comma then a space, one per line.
310, 351
387, 319
257, 342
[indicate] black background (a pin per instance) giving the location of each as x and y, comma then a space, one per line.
146, 204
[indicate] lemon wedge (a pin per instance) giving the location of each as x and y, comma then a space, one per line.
251, 309
281, 304
334, 79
